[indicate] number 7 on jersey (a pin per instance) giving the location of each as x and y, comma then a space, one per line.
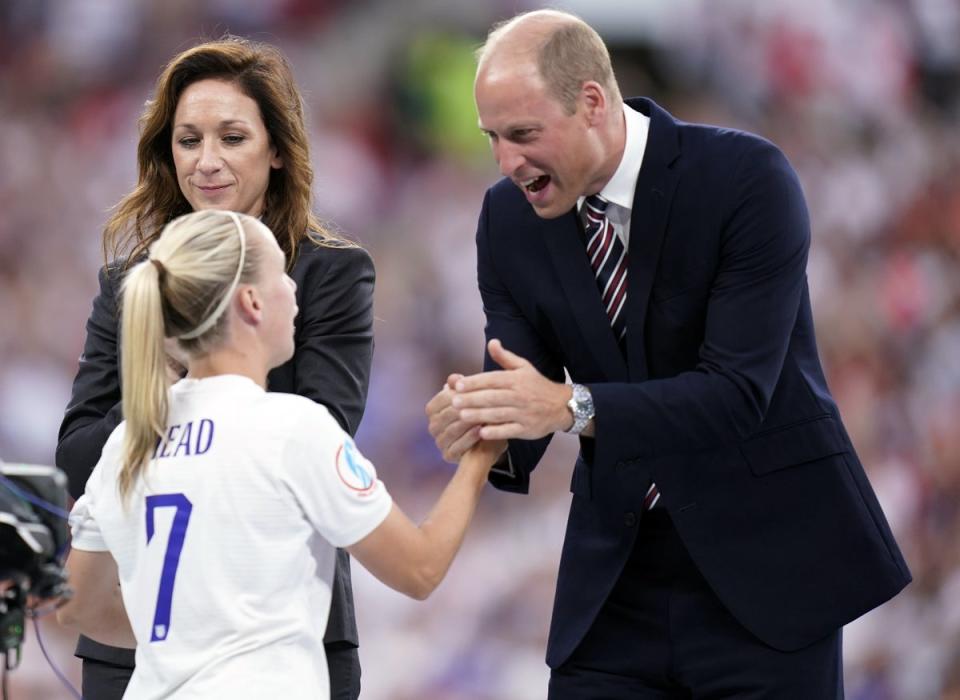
171, 559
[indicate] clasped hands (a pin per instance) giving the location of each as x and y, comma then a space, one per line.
514, 402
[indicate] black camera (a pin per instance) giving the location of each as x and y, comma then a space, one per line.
33, 540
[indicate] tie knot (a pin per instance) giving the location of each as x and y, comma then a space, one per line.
596, 204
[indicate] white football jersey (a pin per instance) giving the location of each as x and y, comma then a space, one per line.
225, 548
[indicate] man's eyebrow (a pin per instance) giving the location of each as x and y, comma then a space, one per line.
512, 128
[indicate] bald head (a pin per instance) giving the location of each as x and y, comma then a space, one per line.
524, 34
559, 48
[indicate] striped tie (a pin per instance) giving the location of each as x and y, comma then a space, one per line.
608, 258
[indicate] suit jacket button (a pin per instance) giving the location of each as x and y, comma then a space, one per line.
629, 519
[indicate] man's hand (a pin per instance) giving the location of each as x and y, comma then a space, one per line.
452, 435
517, 402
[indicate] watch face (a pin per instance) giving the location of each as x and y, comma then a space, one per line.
581, 405
584, 400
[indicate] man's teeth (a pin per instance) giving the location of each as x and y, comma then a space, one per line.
535, 184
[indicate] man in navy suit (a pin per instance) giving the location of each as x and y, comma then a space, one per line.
722, 529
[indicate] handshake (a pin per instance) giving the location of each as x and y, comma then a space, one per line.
515, 402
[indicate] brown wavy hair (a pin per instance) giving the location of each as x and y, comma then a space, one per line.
262, 73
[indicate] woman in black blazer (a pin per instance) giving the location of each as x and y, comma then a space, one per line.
225, 129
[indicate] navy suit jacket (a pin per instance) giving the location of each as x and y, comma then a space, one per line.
720, 399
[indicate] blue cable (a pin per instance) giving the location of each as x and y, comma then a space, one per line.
27, 496
60, 513
63, 679
40, 503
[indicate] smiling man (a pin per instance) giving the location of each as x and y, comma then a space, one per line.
543, 140
722, 529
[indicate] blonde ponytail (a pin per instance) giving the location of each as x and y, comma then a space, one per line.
143, 370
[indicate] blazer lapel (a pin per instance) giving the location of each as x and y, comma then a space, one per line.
656, 185
562, 238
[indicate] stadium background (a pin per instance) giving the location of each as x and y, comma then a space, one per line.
863, 97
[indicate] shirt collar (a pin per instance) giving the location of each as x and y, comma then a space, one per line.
621, 187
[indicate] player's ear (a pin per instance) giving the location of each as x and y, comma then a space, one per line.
249, 304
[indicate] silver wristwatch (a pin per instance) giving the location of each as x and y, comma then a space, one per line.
581, 406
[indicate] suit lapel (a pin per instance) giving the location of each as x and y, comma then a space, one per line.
656, 185
562, 238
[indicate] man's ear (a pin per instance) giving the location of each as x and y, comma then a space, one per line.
249, 305
593, 99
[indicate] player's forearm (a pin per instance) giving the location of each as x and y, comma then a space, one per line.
444, 528
414, 559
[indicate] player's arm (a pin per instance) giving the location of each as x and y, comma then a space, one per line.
96, 609
414, 560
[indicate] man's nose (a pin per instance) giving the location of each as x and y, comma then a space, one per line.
508, 158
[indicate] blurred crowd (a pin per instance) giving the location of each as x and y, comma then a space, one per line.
864, 98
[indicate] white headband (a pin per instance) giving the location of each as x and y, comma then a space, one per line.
222, 306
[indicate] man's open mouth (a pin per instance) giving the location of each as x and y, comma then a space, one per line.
536, 184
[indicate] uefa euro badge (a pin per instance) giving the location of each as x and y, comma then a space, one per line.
353, 468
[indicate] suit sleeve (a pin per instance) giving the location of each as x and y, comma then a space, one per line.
753, 305
506, 321
95, 408
334, 349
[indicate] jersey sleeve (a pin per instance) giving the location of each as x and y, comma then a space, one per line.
85, 531
335, 485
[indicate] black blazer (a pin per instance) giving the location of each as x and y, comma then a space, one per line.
331, 365
720, 399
